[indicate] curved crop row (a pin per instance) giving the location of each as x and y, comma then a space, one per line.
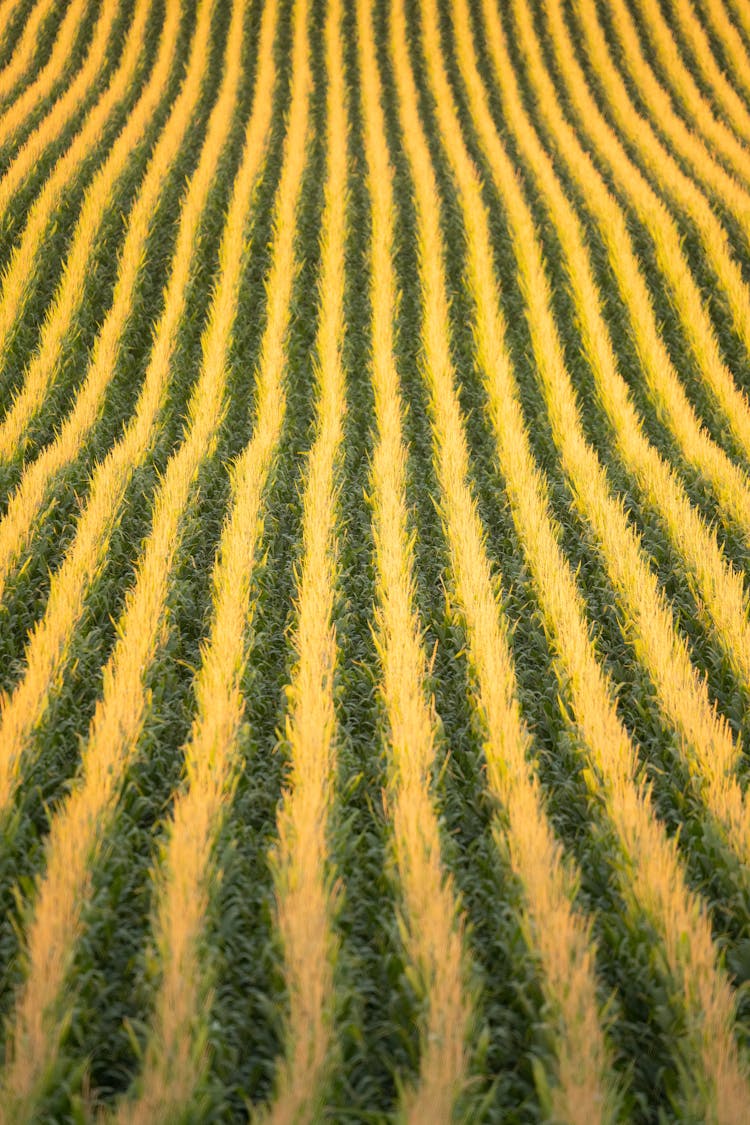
60, 313
25, 50
718, 587
656, 218
728, 98
21, 107
706, 742
684, 140
734, 49
651, 877
9, 16
64, 109
557, 933
688, 92
173, 1058
301, 862
28, 497
434, 943
48, 645
423, 347
18, 276
81, 821
730, 485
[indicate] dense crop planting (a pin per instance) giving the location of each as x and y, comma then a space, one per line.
375, 560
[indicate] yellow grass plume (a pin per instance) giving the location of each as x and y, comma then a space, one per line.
434, 938
66, 303
555, 931
82, 820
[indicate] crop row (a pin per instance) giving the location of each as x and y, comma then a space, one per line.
375, 474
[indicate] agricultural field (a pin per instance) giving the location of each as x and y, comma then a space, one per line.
375, 561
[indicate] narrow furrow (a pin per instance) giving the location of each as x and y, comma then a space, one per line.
705, 740
728, 482
49, 645
60, 315
27, 500
25, 50
81, 822
727, 96
301, 861
653, 213
433, 926
648, 867
556, 932
64, 109
22, 107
